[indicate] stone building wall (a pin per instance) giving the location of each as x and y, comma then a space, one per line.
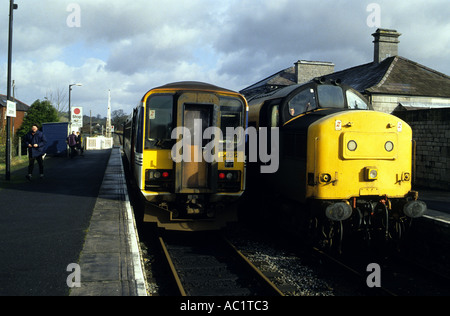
431, 131
387, 103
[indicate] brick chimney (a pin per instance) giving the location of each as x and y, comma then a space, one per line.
386, 44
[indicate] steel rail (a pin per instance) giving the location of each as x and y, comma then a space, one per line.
267, 281
172, 268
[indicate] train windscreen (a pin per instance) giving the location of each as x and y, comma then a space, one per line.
330, 96
355, 102
231, 116
159, 122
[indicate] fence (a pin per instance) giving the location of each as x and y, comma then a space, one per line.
98, 143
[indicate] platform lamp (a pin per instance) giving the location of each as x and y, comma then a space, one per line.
12, 7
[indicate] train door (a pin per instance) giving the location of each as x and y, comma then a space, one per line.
196, 112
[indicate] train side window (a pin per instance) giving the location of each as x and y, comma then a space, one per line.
355, 102
275, 116
302, 102
159, 122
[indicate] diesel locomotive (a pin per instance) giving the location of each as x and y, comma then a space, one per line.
186, 167
343, 166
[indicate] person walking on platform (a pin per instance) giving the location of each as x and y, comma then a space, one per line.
80, 143
72, 141
35, 141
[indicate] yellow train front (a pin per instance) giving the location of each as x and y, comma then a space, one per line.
347, 167
183, 161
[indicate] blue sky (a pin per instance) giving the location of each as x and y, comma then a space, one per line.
130, 47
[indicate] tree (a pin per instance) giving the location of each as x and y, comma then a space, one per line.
58, 98
39, 112
118, 118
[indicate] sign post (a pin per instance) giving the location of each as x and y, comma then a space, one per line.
12, 7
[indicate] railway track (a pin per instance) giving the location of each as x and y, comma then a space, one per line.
398, 276
209, 265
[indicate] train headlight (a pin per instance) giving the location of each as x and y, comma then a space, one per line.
352, 145
229, 181
370, 173
338, 211
325, 178
415, 209
389, 146
158, 180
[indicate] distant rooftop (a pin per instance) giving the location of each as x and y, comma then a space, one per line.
20, 106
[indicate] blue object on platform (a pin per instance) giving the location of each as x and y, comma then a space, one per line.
56, 134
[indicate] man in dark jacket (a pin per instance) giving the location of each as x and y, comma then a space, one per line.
72, 141
35, 141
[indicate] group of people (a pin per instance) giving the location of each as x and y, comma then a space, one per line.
36, 143
75, 142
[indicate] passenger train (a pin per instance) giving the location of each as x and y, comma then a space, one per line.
343, 166
167, 143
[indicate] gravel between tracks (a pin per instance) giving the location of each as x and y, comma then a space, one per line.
286, 270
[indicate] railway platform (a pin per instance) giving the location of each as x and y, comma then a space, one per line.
110, 262
71, 233
438, 203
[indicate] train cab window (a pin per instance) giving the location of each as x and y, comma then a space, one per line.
159, 122
355, 102
330, 96
232, 111
302, 102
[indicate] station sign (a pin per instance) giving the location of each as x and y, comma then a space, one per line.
10, 109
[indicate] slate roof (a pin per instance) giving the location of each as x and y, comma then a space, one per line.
397, 76
285, 77
20, 106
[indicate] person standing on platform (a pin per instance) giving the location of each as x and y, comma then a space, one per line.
35, 141
72, 141
80, 143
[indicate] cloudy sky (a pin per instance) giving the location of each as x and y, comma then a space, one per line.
132, 46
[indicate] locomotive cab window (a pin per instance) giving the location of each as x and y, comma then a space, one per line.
159, 122
355, 102
231, 116
330, 96
302, 102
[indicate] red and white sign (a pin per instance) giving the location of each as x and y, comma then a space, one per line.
77, 118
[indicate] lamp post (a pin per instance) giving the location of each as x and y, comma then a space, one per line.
12, 7
70, 109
